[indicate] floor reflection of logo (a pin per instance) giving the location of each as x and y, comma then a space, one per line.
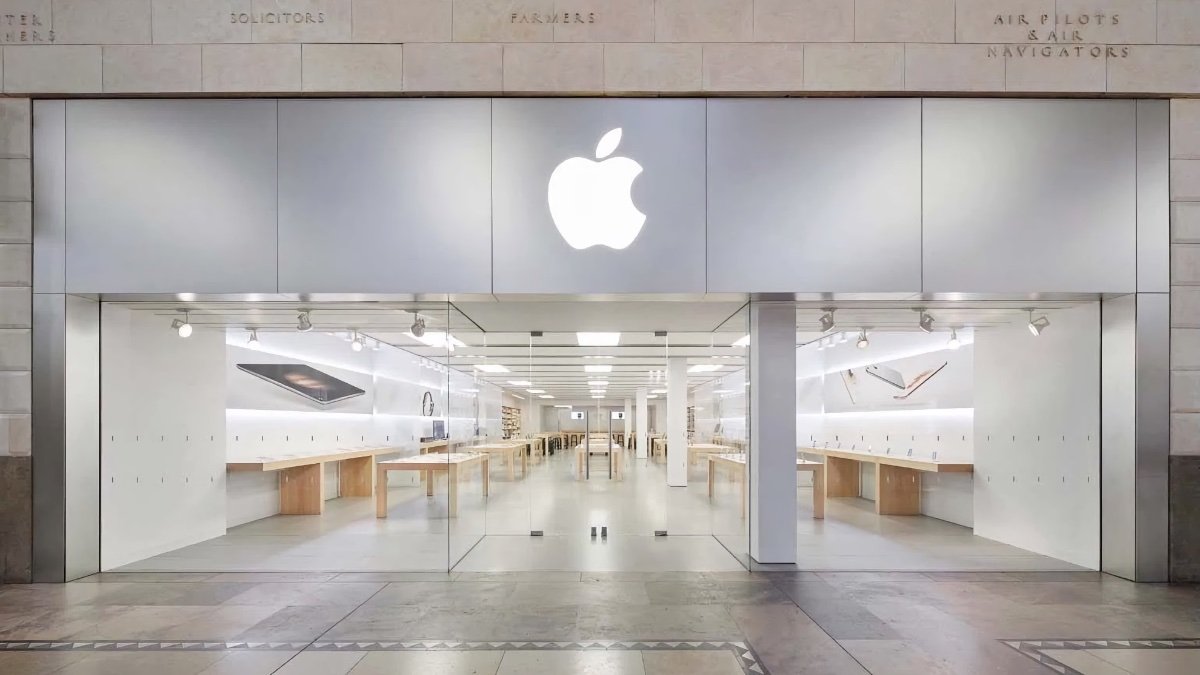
590, 201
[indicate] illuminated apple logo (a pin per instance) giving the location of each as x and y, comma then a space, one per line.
590, 201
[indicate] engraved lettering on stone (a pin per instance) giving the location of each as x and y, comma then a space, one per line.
293, 18
552, 17
25, 29
1058, 35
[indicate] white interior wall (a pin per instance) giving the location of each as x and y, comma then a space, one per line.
1037, 446
162, 453
937, 418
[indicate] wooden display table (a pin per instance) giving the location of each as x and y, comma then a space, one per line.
302, 477
547, 436
451, 463
508, 450
658, 446
697, 450
897, 478
736, 463
614, 452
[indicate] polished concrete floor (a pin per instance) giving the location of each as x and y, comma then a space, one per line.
641, 623
494, 534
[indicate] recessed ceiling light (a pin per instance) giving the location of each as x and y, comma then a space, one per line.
652, 396
545, 396
536, 391
704, 368
598, 356
518, 396
599, 391
743, 341
562, 406
597, 383
598, 339
492, 368
597, 369
520, 383
659, 391
597, 397
722, 391
471, 391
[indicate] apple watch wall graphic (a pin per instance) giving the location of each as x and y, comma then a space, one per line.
591, 202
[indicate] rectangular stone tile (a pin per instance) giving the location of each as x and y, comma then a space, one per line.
16, 263
402, 20
753, 67
1185, 180
14, 392
1185, 222
16, 222
804, 20
1184, 491
431, 68
787, 641
1084, 71
630, 68
443, 593
200, 21
15, 180
854, 67
1137, 20
1156, 69
297, 594
321, 663
353, 68
837, 613
15, 349
136, 623
1185, 128
293, 21
911, 21
951, 68
471, 623
101, 22
37, 663
1010, 21
503, 21
278, 577
1185, 348
216, 623
251, 68
897, 657
658, 622
704, 21
16, 307
1178, 22
146, 577
16, 439
557, 68
1185, 391
52, 69
553, 594
292, 624
138, 69
591, 662
157, 663
172, 594
390, 577
666, 662
429, 662
513, 577
249, 663
615, 21
16, 517
15, 126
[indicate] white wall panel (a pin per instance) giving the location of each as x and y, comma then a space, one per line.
1026, 196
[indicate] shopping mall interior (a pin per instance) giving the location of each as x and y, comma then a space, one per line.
491, 434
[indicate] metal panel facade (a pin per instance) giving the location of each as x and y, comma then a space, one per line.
170, 196
814, 195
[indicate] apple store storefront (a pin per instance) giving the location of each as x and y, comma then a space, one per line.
406, 335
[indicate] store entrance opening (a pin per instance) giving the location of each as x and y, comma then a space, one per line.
586, 435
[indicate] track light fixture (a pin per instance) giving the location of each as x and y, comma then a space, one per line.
827, 322
926, 320
253, 341
863, 342
356, 342
303, 322
182, 326
418, 326
1036, 326
953, 343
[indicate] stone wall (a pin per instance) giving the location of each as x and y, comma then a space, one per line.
15, 347
599, 46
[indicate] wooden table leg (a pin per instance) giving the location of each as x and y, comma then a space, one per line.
841, 477
745, 479
302, 490
430, 479
712, 477
897, 491
487, 475
355, 476
524, 465
452, 476
818, 492
512, 465
381, 492
579, 459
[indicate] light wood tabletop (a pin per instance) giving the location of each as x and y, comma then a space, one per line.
451, 463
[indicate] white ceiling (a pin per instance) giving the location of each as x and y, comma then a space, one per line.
502, 331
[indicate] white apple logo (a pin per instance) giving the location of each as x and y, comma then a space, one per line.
590, 201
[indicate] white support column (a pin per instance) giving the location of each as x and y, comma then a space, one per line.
642, 426
773, 432
677, 453
628, 420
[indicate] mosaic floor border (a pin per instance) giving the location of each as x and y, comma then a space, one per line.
745, 655
1034, 648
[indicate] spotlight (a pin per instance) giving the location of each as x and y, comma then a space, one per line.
953, 343
827, 322
182, 326
926, 320
356, 343
863, 342
253, 341
1036, 326
418, 326
303, 322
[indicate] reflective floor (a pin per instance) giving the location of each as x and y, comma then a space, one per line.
494, 534
689, 623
